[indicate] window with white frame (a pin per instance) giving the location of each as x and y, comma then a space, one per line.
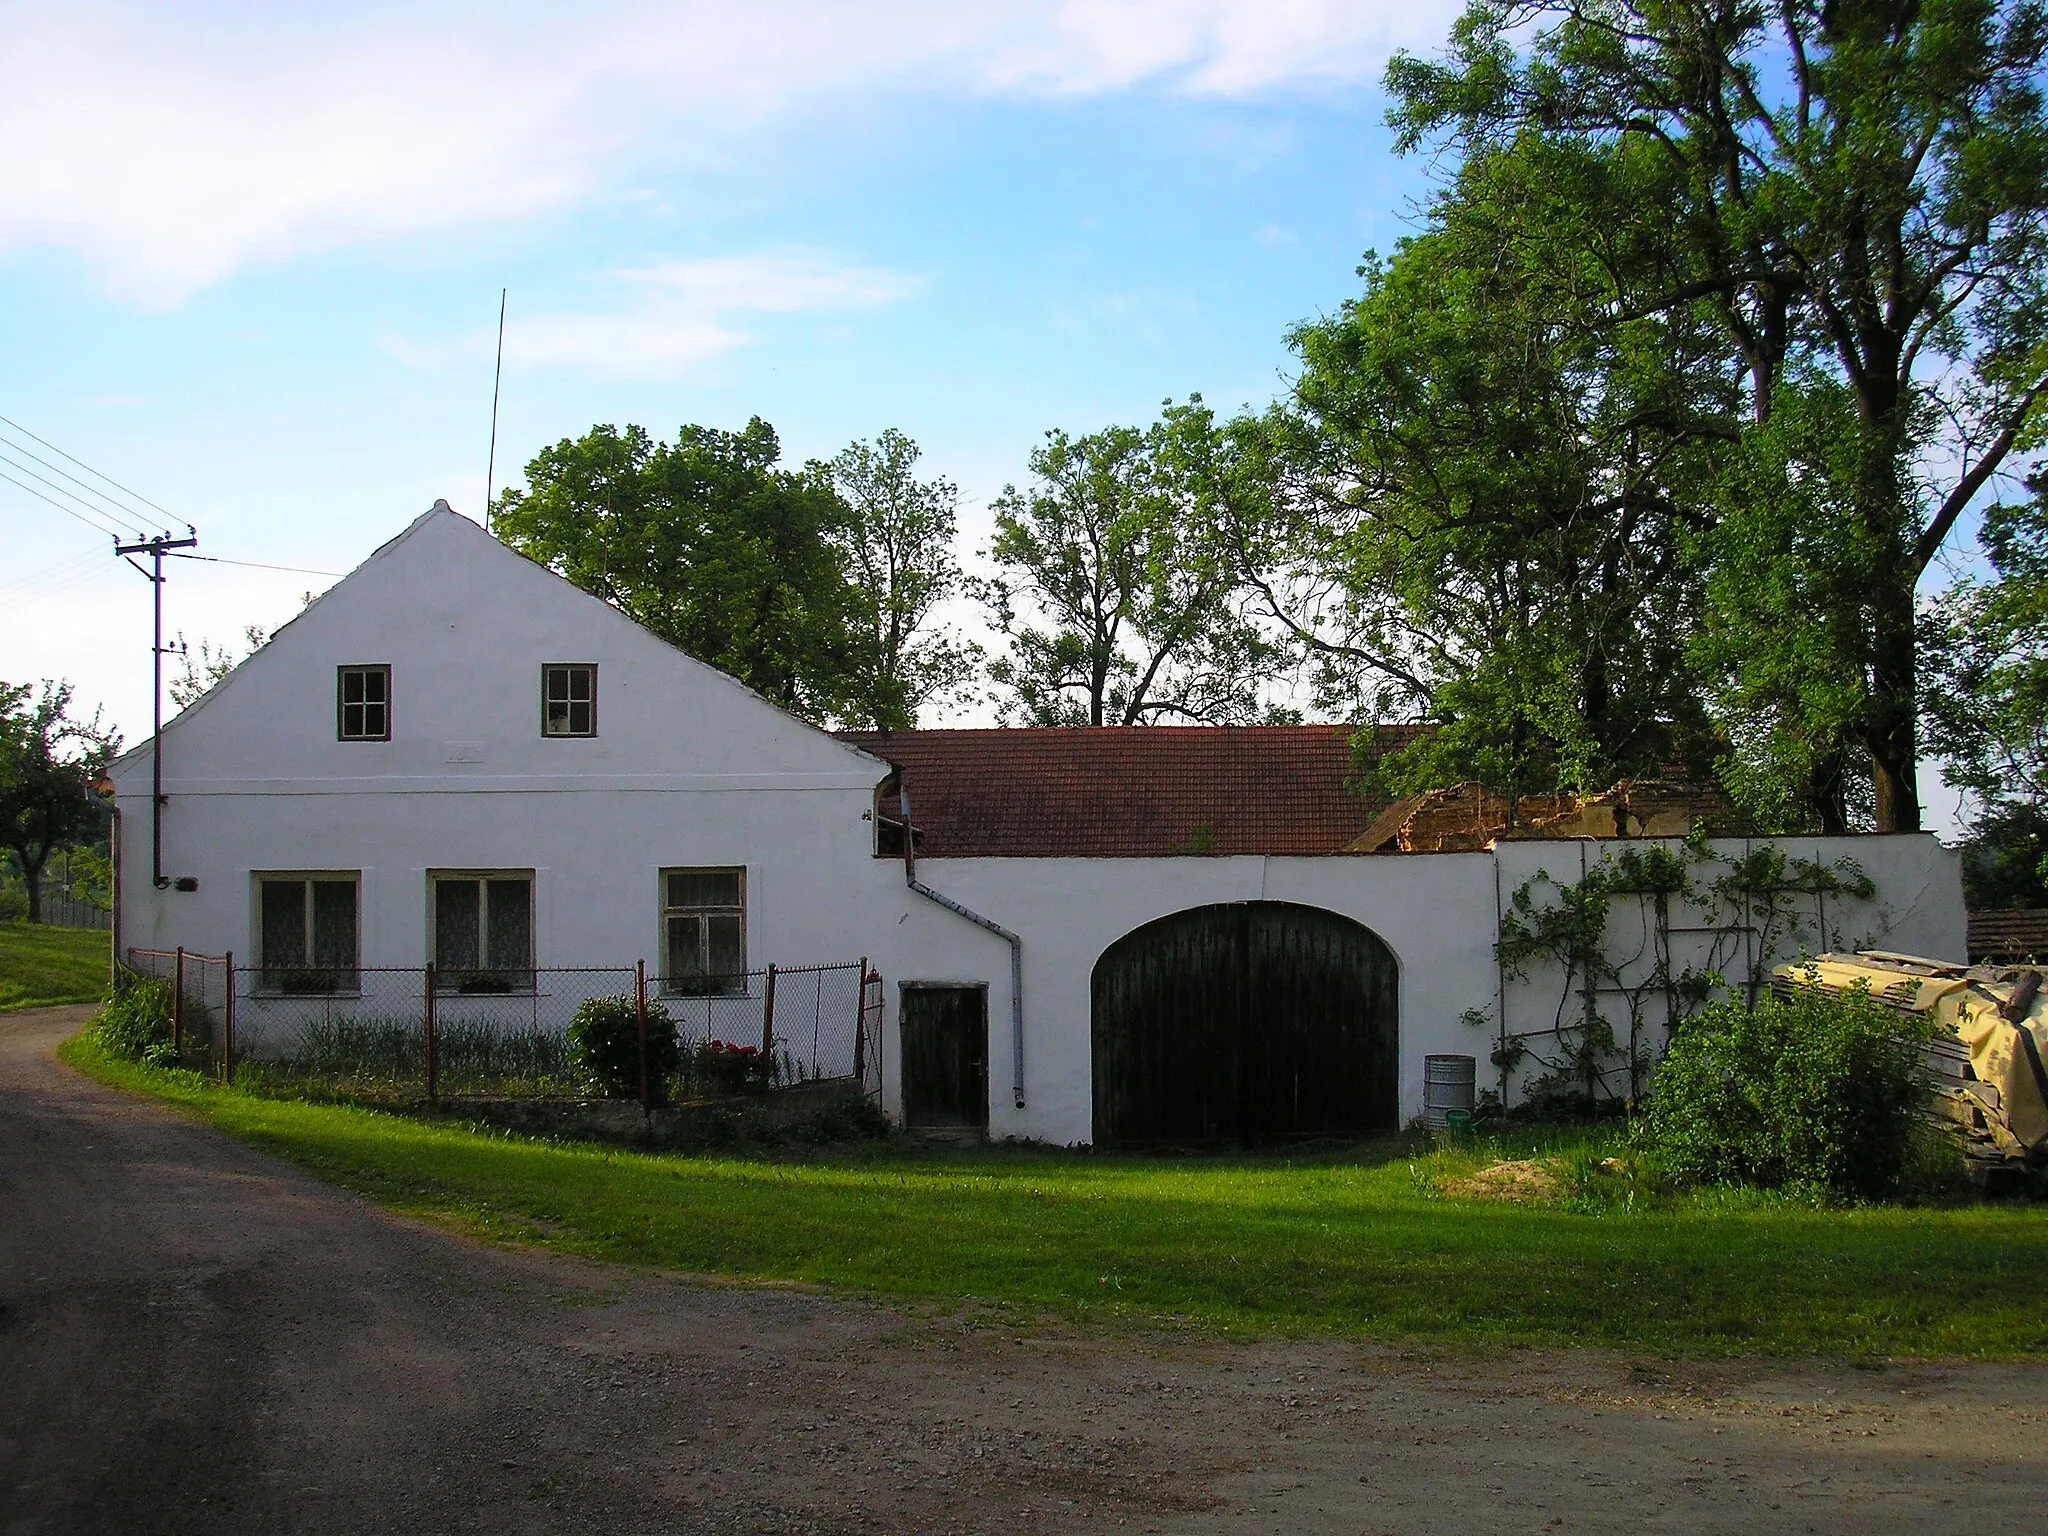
306, 931
362, 703
568, 699
483, 929
704, 931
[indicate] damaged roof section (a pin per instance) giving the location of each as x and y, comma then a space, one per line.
1470, 816
1125, 791
1165, 791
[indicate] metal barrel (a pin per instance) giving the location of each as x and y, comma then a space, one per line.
1448, 1083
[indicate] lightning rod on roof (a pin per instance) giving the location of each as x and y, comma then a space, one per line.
497, 378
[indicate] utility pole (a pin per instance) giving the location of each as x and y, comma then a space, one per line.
156, 547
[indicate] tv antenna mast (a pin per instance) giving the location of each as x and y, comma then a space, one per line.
497, 378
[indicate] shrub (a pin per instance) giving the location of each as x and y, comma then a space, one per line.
134, 1023
1820, 1090
850, 1119
604, 1048
723, 1068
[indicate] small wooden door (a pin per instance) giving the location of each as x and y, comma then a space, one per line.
945, 1057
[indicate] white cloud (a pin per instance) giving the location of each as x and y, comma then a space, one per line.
169, 148
682, 313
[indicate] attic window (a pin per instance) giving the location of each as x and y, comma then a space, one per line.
363, 703
568, 699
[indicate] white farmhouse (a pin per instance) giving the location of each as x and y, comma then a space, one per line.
455, 758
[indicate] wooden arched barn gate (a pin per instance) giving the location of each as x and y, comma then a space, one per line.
1245, 1022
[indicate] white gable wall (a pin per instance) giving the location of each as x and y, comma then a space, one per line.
688, 768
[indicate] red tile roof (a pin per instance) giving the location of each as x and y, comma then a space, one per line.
1128, 791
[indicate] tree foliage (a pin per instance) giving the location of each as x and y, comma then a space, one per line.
48, 761
197, 676
1471, 510
713, 546
898, 543
1849, 191
1986, 705
1120, 603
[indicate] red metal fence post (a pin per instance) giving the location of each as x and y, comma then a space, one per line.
768, 1030
433, 1054
178, 1005
640, 1028
860, 1024
228, 1006
227, 1015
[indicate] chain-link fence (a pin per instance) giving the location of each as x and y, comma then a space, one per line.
403, 1032
381, 1031
201, 1002
799, 1023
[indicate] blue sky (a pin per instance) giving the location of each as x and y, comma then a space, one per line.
250, 255
250, 265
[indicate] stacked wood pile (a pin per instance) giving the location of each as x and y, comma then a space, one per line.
1985, 1064
2017, 937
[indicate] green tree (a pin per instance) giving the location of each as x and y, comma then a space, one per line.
1120, 605
712, 546
1852, 188
1788, 566
1471, 509
196, 677
1986, 705
48, 761
898, 543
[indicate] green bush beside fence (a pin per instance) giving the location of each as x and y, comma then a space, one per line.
134, 1023
604, 1047
1819, 1090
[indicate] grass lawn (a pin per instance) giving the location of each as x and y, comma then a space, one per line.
41, 965
1362, 1246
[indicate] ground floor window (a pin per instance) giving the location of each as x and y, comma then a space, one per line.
483, 930
704, 928
307, 931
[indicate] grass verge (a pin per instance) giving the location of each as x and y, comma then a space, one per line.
41, 966
1366, 1245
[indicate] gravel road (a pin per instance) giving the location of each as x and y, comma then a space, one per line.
196, 1338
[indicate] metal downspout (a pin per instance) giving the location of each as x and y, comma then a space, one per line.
1016, 944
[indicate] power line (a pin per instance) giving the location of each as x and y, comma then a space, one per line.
90, 509
98, 528
51, 573
126, 513
257, 565
109, 479
17, 600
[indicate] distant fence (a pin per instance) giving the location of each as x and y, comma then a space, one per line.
394, 1031
62, 911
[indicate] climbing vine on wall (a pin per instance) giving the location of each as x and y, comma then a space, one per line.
1758, 907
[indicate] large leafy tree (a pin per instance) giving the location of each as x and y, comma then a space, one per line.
715, 547
48, 761
1987, 706
1472, 508
1853, 191
898, 543
1119, 603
